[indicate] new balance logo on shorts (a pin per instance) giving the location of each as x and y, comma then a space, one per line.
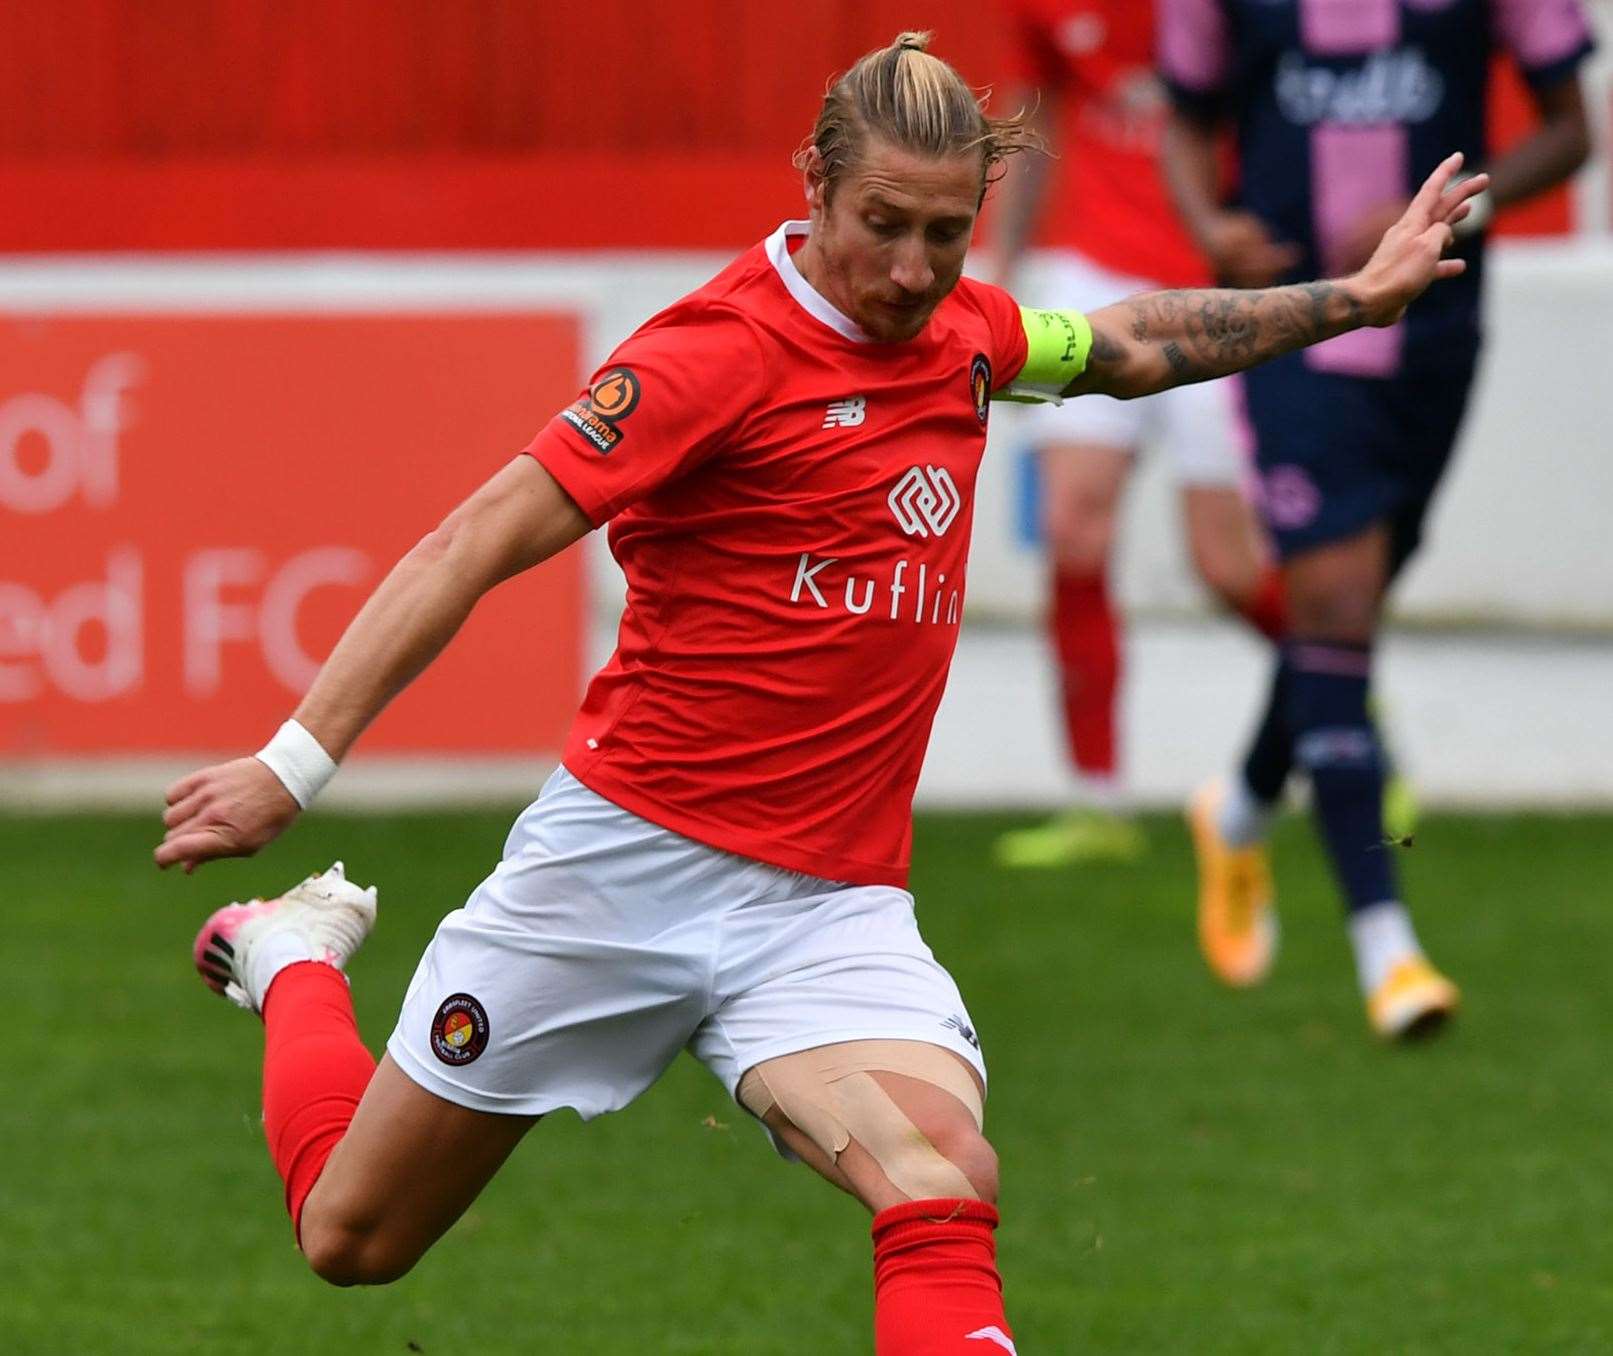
847, 413
925, 500
963, 1029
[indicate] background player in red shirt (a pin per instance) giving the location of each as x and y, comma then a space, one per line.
1087, 69
787, 461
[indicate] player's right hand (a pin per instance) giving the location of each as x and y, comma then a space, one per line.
227, 810
1242, 253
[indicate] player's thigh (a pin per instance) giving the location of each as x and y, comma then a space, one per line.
886, 1121
575, 972
1082, 487
1335, 590
1334, 464
408, 1166
832, 1006
1224, 538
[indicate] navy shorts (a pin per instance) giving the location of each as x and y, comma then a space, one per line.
1337, 454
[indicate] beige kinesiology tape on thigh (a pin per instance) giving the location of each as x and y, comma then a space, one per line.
832, 1097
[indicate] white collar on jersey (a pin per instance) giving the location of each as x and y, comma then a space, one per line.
813, 302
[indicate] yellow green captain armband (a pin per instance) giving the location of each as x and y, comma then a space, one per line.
1056, 347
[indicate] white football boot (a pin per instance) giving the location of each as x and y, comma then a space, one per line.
242, 947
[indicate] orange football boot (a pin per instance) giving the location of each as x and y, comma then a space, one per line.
1237, 914
1415, 1000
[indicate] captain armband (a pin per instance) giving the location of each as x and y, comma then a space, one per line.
1057, 345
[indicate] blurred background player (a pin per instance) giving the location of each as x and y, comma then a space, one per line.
1087, 69
1339, 109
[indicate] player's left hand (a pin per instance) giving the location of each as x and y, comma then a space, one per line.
1361, 241
1411, 254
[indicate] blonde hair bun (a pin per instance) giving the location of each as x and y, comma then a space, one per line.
906, 95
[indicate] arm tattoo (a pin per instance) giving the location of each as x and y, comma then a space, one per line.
1105, 352
1198, 335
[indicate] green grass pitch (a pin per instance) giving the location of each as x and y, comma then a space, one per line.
1185, 1169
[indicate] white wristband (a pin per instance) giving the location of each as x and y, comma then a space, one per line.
299, 760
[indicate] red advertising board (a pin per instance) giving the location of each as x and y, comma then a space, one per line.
193, 505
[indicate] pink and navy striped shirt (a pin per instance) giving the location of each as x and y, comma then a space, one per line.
1343, 105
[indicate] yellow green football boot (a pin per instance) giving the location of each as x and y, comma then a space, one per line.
1070, 839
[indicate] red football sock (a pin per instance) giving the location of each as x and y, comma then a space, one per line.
1266, 607
1086, 635
936, 1288
315, 1069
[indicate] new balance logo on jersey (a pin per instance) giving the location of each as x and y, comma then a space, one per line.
847, 413
925, 501
993, 1334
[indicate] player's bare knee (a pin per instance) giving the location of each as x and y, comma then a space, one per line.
1347, 616
1080, 535
970, 1153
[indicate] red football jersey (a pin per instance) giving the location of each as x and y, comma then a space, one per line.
791, 503
1108, 198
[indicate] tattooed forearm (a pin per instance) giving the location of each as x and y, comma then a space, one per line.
1181, 365
1179, 337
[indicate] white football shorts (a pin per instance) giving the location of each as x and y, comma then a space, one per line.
603, 944
1200, 428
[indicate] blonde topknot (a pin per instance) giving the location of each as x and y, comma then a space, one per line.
905, 95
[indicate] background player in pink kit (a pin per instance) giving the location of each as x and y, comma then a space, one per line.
1086, 67
787, 461
1339, 111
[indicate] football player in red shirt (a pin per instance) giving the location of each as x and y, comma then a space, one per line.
1100, 208
786, 459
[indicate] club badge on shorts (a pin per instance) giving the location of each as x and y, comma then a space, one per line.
460, 1029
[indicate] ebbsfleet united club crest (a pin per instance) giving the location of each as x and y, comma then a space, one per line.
980, 386
460, 1029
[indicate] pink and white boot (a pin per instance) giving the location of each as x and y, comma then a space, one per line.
242, 947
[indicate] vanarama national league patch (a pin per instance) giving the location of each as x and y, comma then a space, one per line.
610, 400
460, 1030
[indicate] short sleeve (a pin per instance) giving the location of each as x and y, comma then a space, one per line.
670, 397
1195, 54
1547, 38
1007, 330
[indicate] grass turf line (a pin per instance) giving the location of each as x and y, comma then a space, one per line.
1185, 1169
